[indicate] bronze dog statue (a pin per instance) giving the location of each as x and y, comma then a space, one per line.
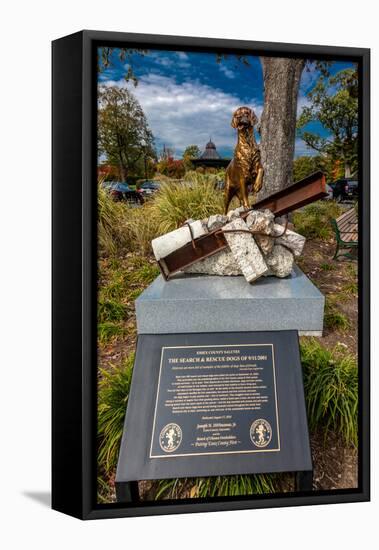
245, 168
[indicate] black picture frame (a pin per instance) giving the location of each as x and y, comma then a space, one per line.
74, 274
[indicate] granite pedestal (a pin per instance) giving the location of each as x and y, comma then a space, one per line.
203, 303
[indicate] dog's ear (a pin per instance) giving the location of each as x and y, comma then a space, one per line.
234, 122
253, 118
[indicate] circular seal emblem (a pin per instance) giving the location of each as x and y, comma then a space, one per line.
260, 433
170, 438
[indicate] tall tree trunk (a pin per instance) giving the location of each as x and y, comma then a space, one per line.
123, 172
281, 77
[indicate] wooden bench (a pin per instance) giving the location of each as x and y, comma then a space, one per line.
346, 230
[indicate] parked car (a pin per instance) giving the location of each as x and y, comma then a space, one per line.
107, 184
121, 192
220, 185
148, 188
345, 189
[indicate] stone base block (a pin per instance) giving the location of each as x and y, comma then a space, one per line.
205, 303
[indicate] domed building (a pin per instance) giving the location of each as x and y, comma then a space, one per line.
210, 158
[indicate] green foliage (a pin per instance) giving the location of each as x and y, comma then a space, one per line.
123, 133
113, 392
221, 486
334, 104
334, 319
305, 165
351, 288
313, 221
327, 267
195, 198
112, 217
352, 271
172, 168
108, 331
141, 228
104, 491
110, 310
120, 286
191, 152
106, 56
122, 228
331, 389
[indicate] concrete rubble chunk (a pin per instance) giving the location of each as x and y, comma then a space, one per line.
236, 213
222, 263
165, 244
204, 223
261, 220
290, 239
265, 243
245, 251
280, 261
216, 221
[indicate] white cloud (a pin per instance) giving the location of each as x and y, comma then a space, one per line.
164, 61
302, 101
187, 113
179, 60
309, 77
227, 72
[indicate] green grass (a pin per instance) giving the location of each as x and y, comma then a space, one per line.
331, 389
327, 267
313, 221
352, 271
333, 318
112, 217
177, 202
109, 331
123, 228
217, 486
120, 286
351, 288
113, 392
110, 310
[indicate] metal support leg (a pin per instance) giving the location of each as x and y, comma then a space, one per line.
304, 481
127, 491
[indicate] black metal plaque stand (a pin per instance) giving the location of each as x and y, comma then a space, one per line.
211, 404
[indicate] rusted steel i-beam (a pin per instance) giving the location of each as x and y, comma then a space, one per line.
301, 193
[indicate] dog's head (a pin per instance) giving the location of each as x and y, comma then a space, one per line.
244, 118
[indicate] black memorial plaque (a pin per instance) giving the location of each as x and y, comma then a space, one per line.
215, 404
215, 399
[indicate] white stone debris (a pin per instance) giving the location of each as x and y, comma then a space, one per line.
280, 261
266, 251
222, 263
165, 244
216, 221
245, 251
265, 243
261, 221
232, 214
290, 239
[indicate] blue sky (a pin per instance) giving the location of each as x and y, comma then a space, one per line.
188, 97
